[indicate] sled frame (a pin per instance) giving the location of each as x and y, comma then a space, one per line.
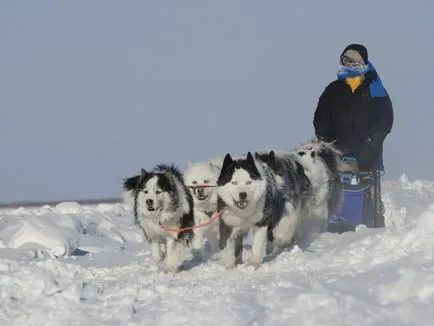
373, 216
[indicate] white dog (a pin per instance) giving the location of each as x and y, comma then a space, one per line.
201, 179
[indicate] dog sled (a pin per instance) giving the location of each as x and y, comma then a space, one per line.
361, 202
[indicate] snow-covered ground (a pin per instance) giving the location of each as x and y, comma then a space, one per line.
88, 265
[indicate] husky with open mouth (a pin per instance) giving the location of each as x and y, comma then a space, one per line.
160, 197
250, 200
201, 179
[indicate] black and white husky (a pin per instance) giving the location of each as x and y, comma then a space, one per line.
295, 189
322, 163
201, 179
160, 197
250, 199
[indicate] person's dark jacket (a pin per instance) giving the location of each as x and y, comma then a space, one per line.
357, 122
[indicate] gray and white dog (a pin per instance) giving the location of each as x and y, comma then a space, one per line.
249, 196
322, 163
296, 190
160, 197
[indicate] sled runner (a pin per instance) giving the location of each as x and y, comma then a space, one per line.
361, 202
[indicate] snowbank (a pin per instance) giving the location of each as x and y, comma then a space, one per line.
58, 230
48, 229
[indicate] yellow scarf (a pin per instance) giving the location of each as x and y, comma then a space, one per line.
354, 82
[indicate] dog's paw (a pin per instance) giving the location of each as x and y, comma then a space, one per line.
254, 264
239, 260
215, 257
170, 269
158, 259
270, 248
228, 264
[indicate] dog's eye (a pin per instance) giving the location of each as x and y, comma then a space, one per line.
145, 192
234, 183
205, 181
248, 182
158, 192
194, 182
301, 153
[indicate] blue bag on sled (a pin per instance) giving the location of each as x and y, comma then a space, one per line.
353, 205
351, 209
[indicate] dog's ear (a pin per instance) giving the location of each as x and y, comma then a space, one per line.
143, 174
227, 162
131, 183
250, 160
272, 156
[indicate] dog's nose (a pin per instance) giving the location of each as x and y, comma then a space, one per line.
200, 191
149, 202
242, 195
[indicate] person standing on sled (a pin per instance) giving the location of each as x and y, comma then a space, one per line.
355, 112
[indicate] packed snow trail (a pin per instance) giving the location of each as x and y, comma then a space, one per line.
369, 277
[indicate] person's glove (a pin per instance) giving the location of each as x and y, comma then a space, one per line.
370, 151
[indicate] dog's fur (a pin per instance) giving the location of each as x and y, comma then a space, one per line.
205, 203
322, 164
296, 190
161, 197
250, 199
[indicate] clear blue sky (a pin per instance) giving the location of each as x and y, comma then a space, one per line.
91, 91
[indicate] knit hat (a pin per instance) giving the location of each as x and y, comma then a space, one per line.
357, 52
